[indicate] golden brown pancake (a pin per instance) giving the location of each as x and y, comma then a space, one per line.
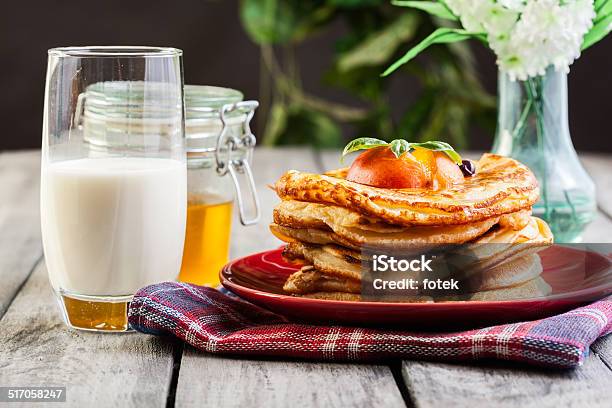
355, 231
534, 235
309, 235
351, 297
309, 280
535, 288
301, 214
513, 272
500, 186
477, 267
499, 244
328, 259
515, 221
512, 264
334, 262
312, 283
326, 236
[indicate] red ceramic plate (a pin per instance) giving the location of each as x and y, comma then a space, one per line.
577, 277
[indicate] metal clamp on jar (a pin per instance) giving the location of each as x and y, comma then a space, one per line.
219, 152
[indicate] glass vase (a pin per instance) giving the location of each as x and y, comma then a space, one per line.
533, 128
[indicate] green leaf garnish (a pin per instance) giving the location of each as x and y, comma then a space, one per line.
439, 147
362, 143
400, 146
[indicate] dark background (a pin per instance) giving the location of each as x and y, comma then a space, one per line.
218, 52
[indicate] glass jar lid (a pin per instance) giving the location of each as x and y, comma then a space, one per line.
203, 124
204, 96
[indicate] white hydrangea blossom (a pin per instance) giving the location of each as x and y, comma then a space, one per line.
485, 16
528, 35
467, 11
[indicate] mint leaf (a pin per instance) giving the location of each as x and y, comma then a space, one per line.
437, 146
399, 146
362, 143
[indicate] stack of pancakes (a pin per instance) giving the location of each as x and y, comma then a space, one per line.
328, 222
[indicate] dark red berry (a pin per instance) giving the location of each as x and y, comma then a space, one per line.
468, 168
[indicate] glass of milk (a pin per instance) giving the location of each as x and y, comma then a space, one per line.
113, 178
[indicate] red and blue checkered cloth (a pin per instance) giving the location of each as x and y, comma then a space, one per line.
217, 323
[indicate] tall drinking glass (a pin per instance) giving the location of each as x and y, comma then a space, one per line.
113, 182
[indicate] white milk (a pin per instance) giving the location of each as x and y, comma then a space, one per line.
113, 225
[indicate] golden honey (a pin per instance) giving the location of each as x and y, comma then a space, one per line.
207, 240
89, 315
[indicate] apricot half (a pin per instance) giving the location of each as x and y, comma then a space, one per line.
447, 172
421, 168
379, 167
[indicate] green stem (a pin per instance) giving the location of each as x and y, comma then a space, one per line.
534, 92
521, 125
571, 205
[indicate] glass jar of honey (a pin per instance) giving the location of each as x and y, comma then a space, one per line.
219, 153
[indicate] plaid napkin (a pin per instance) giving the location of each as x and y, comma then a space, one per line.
217, 323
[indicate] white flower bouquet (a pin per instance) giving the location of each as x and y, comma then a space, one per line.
527, 36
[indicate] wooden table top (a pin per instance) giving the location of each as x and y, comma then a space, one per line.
139, 370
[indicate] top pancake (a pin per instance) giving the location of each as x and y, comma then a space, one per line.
500, 186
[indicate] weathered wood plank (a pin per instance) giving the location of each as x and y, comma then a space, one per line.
602, 348
101, 370
439, 385
599, 167
268, 166
599, 230
20, 243
207, 380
